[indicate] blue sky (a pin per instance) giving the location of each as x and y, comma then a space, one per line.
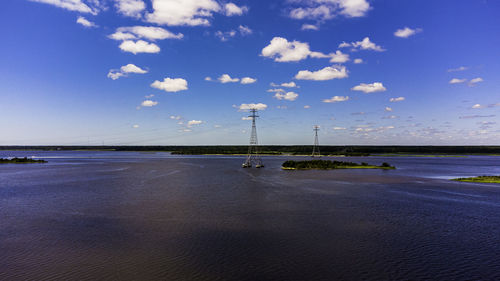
134, 72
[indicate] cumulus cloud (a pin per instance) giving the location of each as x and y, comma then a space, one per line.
139, 46
83, 21
171, 84
388, 108
309, 27
282, 50
364, 44
248, 80
474, 81
477, 106
339, 57
358, 61
248, 106
232, 9
149, 103
145, 32
336, 99
124, 70
182, 12
461, 68
130, 8
208, 78
290, 96
244, 30
457, 81
307, 106
369, 88
289, 85
72, 5
327, 73
225, 78
406, 32
193, 123
276, 91
398, 99
175, 117
224, 36
325, 10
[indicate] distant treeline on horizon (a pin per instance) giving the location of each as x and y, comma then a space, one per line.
355, 150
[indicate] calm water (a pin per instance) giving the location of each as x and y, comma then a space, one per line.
152, 216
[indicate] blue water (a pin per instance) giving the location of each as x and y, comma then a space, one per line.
155, 216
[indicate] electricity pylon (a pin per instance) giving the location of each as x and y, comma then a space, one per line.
253, 157
316, 152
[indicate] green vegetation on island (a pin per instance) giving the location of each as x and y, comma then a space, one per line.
16, 160
328, 165
483, 179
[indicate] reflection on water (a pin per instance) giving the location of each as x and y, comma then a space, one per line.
134, 216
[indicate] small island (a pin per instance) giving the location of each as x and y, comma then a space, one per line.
24, 160
328, 165
483, 179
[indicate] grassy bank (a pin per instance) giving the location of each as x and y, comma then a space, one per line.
24, 160
483, 179
329, 165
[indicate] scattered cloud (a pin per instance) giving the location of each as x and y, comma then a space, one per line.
309, 27
478, 106
183, 12
390, 117
461, 68
364, 44
358, 61
369, 88
135, 126
327, 73
358, 113
476, 116
72, 5
276, 91
398, 99
339, 128
149, 103
225, 78
193, 123
289, 85
457, 81
83, 21
325, 10
290, 96
124, 70
171, 85
175, 117
139, 46
149, 96
474, 81
336, 99
406, 32
248, 106
225, 35
388, 108
208, 78
248, 80
338, 57
246, 118
232, 9
130, 8
307, 106
244, 30
284, 51
144, 32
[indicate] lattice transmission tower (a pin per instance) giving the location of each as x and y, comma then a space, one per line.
253, 157
316, 152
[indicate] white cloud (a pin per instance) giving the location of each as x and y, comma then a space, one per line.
290, 96
339, 57
139, 46
477, 106
457, 81
307, 106
130, 8
174, 117
208, 78
194, 122
149, 96
364, 44
336, 99
232, 9
358, 61
289, 85
135, 126
369, 88
388, 109
339, 128
83, 21
183, 12
474, 81
246, 118
284, 51
149, 103
327, 9
146, 32
327, 73
276, 91
225, 78
398, 99
406, 32
129, 68
224, 36
248, 106
390, 117
461, 68
309, 27
171, 84
244, 30
71, 5
248, 80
